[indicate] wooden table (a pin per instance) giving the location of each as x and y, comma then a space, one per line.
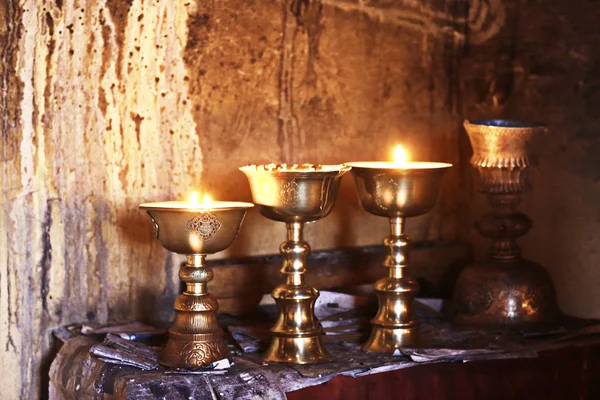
567, 373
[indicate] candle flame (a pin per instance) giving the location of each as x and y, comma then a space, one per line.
400, 157
194, 200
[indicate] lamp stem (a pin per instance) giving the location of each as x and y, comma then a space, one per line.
397, 226
397, 244
504, 225
193, 286
395, 322
294, 252
297, 332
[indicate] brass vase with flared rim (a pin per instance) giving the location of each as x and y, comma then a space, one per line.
505, 290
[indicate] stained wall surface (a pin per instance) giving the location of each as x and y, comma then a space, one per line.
107, 104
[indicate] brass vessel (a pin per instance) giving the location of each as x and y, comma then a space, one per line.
295, 195
195, 338
386, 190
504, 291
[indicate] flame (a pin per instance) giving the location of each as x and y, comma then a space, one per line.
400, 158
195, 200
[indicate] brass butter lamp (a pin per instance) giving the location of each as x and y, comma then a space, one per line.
396, 190
295, 195
505, 290
195, 229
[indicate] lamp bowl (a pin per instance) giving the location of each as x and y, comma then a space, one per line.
196, 230
397, 192
305, 194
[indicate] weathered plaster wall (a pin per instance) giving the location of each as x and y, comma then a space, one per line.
94, 119
106, 104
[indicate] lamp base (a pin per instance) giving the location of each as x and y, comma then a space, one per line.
195, 339
297, 350
513, 294
297, 334
387, 340
191, 351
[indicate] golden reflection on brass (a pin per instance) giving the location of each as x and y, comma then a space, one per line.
295, 196
195, 338
396, 193
504, 291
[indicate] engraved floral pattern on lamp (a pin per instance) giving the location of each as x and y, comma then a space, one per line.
289, 192
200, 353
383, 184
205, 225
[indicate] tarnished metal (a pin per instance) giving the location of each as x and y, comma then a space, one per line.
295, 195
396, 193
505, 290
195, 338
502, 153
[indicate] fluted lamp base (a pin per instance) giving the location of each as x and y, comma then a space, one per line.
297, 350
297, 334
388, 340
395, 324
195, 339
192, 351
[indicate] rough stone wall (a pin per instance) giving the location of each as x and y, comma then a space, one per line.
106, 104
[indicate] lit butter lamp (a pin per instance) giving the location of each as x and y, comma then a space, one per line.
396, 190
295, 194
195, 229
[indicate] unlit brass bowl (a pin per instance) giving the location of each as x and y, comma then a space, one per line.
396, 192
295, 195
195, 338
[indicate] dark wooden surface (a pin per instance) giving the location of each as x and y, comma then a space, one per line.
567, 373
